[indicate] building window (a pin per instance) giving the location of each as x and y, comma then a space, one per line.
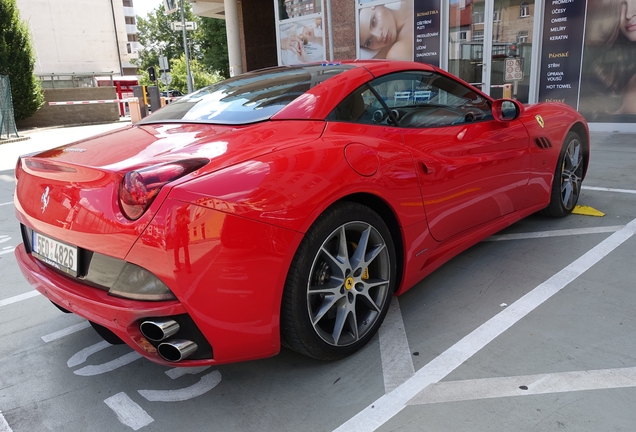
132, 37
478, 35
497, 17
130, 20
522, 37
463, 35
524, 10
127, 3
478, 17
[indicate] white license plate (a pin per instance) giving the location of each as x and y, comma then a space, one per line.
55, 253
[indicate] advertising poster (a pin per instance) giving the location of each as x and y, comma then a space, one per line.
427, 29
399, 30
301, 36
301, 41
608, 82
563, 29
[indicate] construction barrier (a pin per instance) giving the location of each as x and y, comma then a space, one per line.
91, 102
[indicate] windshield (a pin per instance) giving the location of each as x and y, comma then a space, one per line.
248, 98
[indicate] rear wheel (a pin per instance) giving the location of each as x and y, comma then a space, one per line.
340, 283
566, 186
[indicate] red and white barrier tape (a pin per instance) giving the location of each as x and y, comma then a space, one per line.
91, 102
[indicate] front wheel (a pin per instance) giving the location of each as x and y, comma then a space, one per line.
566, 185
340, 283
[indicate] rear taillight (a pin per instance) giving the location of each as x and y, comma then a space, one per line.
139, 187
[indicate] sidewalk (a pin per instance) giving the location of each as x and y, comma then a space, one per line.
43, 139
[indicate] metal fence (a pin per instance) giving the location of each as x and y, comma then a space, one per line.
7, 119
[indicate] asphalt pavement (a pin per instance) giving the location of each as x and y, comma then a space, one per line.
530, 330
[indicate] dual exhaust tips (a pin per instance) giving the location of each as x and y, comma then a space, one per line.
173, 350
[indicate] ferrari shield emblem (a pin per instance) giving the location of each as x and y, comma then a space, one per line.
540, 120
45, 199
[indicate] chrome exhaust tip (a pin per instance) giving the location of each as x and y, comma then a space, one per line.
158, 329
177, 349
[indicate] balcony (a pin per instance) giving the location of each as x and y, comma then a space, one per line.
131, 29
129, 11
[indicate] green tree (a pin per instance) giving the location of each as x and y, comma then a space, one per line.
158, 38
208, 44
214, 45
17, 61
200, 77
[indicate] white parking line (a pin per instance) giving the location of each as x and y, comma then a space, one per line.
555, 233
108, 366
205, 384
602, 189
18, 298
4, 426
83, 355
526, 385
397, 364
389, 405
7, 203
128, 412
181, 371
66, 331
7, 251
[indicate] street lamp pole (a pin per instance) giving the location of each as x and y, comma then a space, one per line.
185, 48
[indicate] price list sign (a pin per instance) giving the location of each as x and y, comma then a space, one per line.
427, 27
564, 23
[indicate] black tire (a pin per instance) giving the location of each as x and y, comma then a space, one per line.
334, 299
568, 176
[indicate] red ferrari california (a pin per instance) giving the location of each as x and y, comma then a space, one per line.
285, 206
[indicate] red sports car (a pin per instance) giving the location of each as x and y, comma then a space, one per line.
286, 205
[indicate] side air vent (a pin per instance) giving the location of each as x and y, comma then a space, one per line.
543, 143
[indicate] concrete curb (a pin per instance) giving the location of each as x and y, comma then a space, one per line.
12, 140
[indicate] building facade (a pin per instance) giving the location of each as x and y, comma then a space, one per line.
579, 52
77, 39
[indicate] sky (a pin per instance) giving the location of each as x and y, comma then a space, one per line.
142, 7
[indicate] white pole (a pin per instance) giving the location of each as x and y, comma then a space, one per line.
185, 48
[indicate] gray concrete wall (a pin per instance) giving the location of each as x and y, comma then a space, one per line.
60, 115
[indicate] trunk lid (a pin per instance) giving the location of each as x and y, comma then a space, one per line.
71, 193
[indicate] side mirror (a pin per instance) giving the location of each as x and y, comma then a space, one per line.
506, 110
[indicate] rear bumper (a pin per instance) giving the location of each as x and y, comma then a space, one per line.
121, 316
231, 288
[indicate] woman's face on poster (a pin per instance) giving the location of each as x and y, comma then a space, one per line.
628, 19
377, 27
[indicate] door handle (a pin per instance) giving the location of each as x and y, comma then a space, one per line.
427, 169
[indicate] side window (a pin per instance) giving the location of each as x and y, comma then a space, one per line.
361, 106
428, 99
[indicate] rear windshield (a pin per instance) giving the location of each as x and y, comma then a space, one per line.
248, 98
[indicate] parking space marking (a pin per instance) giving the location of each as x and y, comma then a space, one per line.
389, 405
128, 412
602, 189
555, 233
397, 363
66, 331
526, 385
108, 366
205, 384
18, 298
7, 203
4, 426
175, 373
6, 251
83, 355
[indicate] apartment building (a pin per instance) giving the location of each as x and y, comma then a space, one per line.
77, 39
